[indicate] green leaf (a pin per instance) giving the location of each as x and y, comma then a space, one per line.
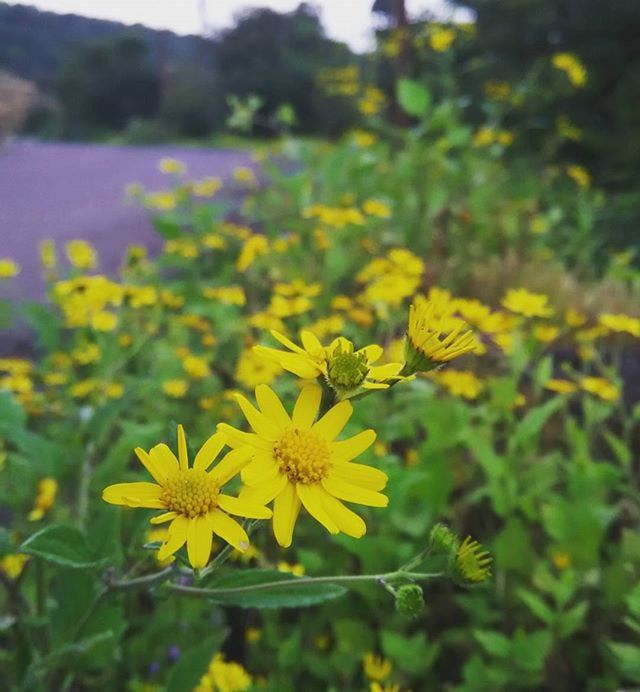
413, 97
531, 425
537, 606
62, 545
571, 620
412, 654
286, 596
493, 643
512, 547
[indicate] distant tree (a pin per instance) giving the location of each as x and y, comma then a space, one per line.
107, 83
277, 57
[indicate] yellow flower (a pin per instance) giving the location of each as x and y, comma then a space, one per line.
191, 497
546, 333
81, 254
462, 383
207, 187
47, 249
572, 66
573, 318
433, 337
561, 386
223, 676
376, 667
164, 200
13, 564
441, 39
252, 369
104, 321
83, 388
227, 295
345, 369
176, 388
579, 175
196, 367
472, 564
497, 91
298, 462
374, 207
47, 491
568, 130
88, 353
168, 165
606, 390
296, 570
254, 246
561, 560
243, 174
363, 139
375, 686
621, 323
252, 635
8, 268
523, 302
114, 390
372, 102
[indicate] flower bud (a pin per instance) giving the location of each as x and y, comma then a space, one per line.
346, 370
470, 564
410, 600
442, 540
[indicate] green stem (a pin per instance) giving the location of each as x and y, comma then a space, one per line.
84, 483
301, 581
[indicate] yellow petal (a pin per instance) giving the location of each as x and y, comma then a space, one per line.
209, 451
383, 372
238, 438
348, 449
352, 493
165, 458
229, 529
358, 474
176, 537
272, 354
272, 407
265, 492
158, 470
374, 385
373, 352
199, 541
243, 507
162, 518
333, 421
182, 449
261, 425
286, 508
231, 464
286, 342
311, 498
260, 469
347, 521
311, 344
302, 366
307, 405
134, 495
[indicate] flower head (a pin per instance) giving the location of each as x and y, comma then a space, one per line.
344, 368
191, 497
47, 491
297, 462
376, 667
224, 676
8, 268
523, 302
434, 337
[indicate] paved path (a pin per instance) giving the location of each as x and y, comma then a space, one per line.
66, 191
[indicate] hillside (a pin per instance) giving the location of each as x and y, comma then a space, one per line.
33, 44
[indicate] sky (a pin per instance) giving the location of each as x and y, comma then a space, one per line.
350, 21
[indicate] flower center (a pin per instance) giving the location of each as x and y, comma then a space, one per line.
302, 456
347, 371
191, 493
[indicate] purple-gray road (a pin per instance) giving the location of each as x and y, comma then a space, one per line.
66, 191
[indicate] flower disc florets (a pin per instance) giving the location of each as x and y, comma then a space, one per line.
346, 370
302, 455
191, 493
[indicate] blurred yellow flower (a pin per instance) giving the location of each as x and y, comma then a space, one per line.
207, 187
176, 388
104, 321
227, 295
13, 564
8, 268
600, 387
47, 249
254, 246
571, 65
523, 302
561, 386
297, 570
169, 165
440, 38
195, 367
374, 207
81, 254
47, 491
546, 333
252, 369
579, 175
243, 174
252, 635
463, 383
364, 139
621, 323
574, 318
223, 676
376, 667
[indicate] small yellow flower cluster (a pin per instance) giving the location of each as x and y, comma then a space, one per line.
47, 491
227, 295
86, 301
579, 175
486, 136
224, 676
363, 139
571, 65
339, 81
8, 268
441, 38
334, 217
81, 254
372, 102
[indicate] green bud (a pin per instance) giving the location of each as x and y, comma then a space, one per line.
410, 600
442, 540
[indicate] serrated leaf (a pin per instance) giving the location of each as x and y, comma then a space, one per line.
286, 596
62, 545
